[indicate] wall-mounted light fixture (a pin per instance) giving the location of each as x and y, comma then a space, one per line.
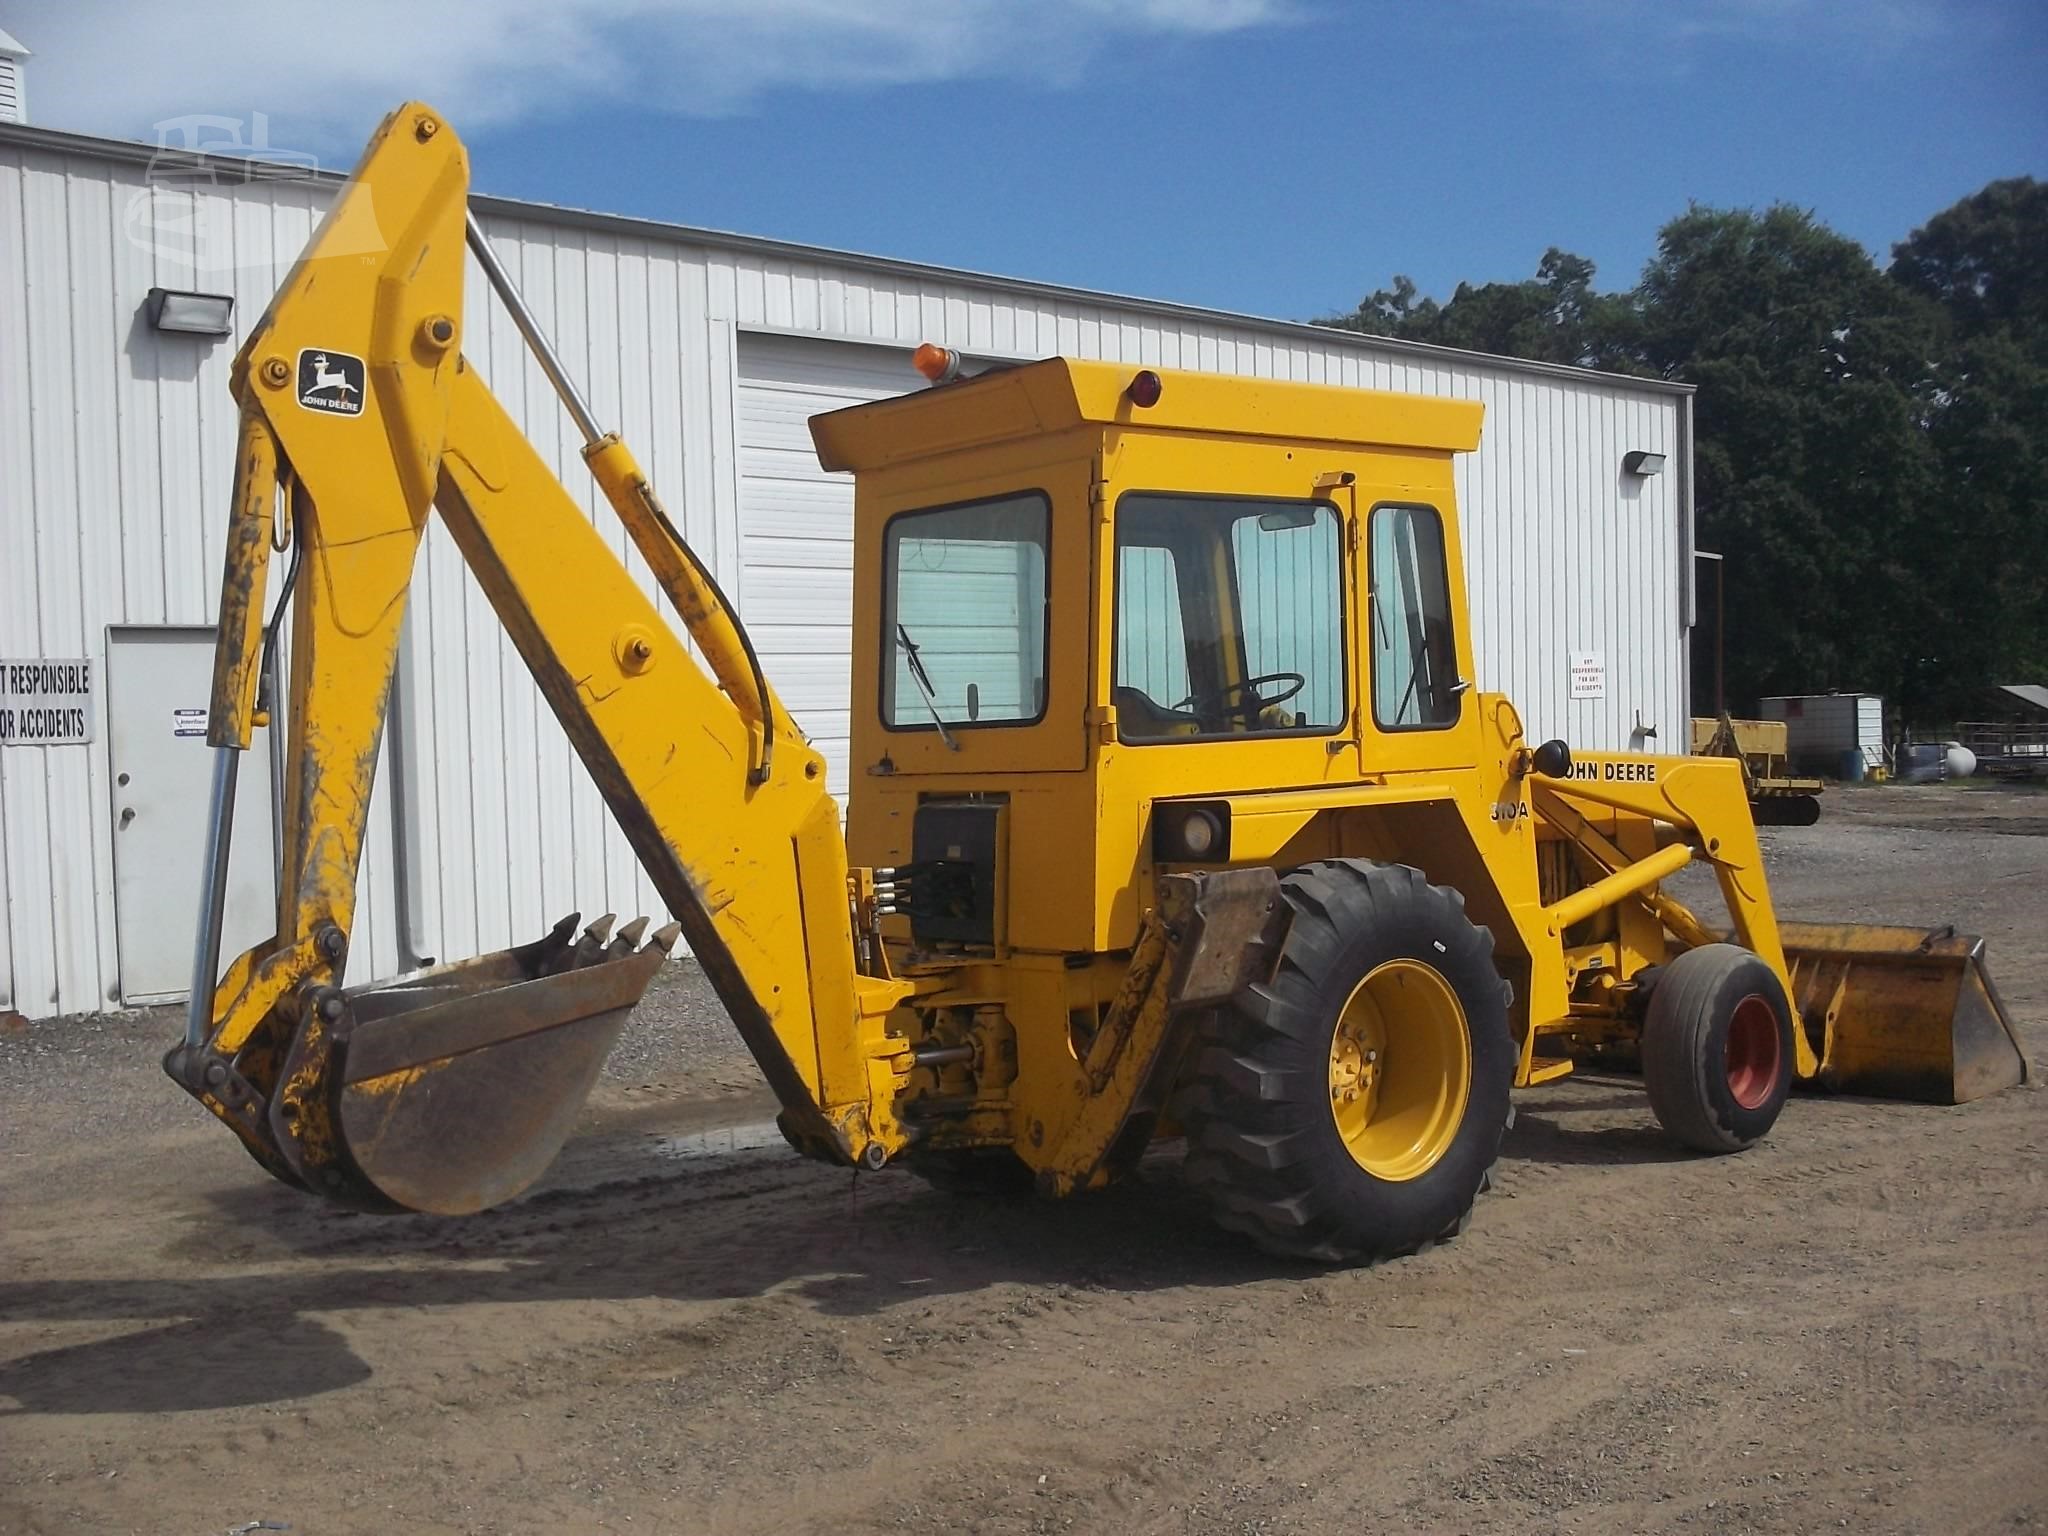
1640, 461
195, 314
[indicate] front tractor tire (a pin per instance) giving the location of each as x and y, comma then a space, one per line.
1351, 1108
1717, 1048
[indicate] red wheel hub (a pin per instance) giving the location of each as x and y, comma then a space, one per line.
1753, 1053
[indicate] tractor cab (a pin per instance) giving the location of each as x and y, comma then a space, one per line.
1097, 609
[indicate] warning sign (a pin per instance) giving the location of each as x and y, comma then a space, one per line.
45, 703
1589, 675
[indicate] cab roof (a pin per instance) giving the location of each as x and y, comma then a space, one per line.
1061, 394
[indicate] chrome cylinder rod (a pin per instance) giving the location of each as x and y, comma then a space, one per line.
543, 353
213, 895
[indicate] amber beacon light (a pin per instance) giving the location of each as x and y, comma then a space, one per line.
941, 365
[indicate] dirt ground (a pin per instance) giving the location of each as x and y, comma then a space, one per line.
1841, 1329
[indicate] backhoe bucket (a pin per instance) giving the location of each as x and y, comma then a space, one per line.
452, 1090
1902, 1013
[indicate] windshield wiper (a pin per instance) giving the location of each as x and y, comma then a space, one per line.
923, 680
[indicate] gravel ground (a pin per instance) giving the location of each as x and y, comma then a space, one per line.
1841, 1329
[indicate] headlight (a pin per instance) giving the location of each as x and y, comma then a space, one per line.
1191, 834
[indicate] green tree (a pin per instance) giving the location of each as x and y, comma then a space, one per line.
1870, 446
1814, 472
1984, 264
1387, 311
1554, 317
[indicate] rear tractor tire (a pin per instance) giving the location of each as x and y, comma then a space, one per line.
1717, 1048
1351, 1108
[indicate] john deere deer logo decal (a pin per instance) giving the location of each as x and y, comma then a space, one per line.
331, 381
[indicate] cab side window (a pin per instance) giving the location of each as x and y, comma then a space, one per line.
1415, 683
965, 614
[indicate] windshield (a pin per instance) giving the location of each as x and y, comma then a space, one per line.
964, 615
1229, 617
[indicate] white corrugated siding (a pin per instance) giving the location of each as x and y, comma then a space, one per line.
116, 454
796, 523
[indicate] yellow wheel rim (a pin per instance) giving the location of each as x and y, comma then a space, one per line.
1400, 1070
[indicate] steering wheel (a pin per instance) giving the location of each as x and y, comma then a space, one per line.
1248, 708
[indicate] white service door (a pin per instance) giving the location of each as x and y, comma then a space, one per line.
161, 769
796, 524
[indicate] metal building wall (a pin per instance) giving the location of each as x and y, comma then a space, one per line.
115, 457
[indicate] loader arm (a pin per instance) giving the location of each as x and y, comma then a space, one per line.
357, 401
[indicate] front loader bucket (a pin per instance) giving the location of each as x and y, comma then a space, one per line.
1902, 1013
452, 1090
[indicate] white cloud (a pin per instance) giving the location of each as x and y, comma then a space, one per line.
324, 72
1873, 27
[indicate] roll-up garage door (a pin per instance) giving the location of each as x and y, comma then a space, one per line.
796, 523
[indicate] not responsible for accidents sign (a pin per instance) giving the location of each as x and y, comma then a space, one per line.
1589, 675
46, 701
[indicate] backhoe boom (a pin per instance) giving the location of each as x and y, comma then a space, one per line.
357, 399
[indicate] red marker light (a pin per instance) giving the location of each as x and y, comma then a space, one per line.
941, 365
1145, 389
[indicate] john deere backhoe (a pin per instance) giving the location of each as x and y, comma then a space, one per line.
1175, 809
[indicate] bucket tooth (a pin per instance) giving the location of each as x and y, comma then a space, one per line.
590, 948
558, 949
665, 937
630, 935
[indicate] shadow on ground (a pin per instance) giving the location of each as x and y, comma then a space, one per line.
849, 1246
744, 1226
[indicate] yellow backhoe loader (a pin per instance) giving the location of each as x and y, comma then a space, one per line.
1175, 810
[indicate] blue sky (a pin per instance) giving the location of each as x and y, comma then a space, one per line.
1281, 157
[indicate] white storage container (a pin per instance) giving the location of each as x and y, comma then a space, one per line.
1821, 727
